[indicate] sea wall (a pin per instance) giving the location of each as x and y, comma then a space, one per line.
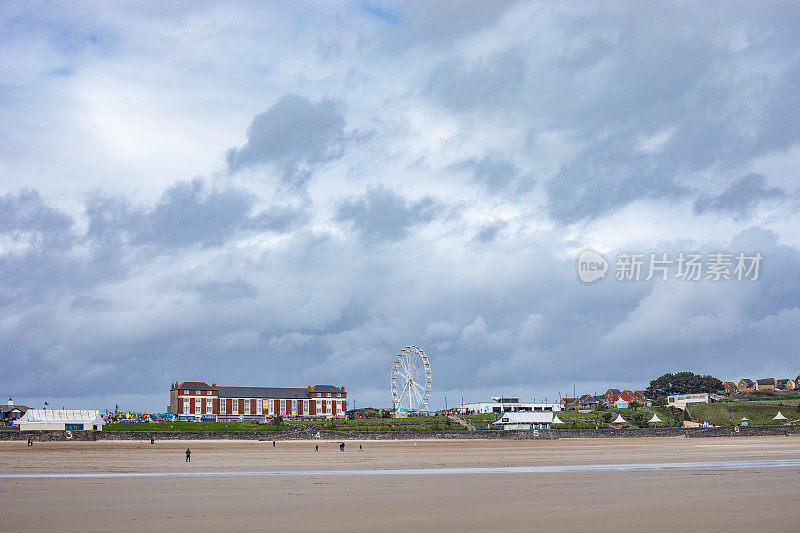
754, 431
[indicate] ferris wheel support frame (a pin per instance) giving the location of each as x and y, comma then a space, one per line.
411, 369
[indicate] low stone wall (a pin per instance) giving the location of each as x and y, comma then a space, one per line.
754, 431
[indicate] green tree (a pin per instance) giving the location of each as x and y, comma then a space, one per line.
633, 405
661, 401
684, 383
278, 420
607, 416
676, 414
640, 419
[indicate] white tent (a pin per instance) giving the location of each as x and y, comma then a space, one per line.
557, 420
779, 416
655, 419
64, 419
525, 420
619, 420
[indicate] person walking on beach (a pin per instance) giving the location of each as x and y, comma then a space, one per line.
188, 455
273, 444
341, 447
152, 439
316, 448
30, 441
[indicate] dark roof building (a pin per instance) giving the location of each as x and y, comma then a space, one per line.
199, 400
286, 393
11, 412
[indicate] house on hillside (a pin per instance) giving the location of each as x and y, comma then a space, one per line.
765, 384
625, 396
611, 396
730, 387
784, 384
746, 385
797, 382
587, 402
568, 404
641, 395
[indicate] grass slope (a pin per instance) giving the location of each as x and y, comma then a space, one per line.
758, 413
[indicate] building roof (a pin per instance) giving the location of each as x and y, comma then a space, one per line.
587, 398
289, 393
766, 381
746, 381
612, 391
195, 385
9, 408
784, 380
326, 388
45, 416
526, 417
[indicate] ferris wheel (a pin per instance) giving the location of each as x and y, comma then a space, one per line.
411, 379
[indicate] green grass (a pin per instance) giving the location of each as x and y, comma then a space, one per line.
190, 426
775, 401
758, 413
362, 424
10, 428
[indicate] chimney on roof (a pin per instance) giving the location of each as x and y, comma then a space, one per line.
214, 385
10, 401
308, 388
342, 387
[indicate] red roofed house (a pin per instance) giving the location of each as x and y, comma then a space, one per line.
611, 396
746, 385
765, 384
587, 401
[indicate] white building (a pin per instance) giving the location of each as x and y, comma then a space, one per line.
505, 404
525, 420
63, 419
683, 400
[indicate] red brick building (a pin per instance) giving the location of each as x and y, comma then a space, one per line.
198, 399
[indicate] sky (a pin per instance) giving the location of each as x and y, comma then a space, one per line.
287, 194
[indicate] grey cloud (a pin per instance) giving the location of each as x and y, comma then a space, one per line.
383, 215
615, 77
26, 216
218, 291
189, 213
496, 174
489, 232
740, 197
294, 131
495, 82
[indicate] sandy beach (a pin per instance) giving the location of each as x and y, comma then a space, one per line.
708, 499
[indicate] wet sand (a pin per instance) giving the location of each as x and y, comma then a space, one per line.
732, 499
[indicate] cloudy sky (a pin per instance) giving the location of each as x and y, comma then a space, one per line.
288, 194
